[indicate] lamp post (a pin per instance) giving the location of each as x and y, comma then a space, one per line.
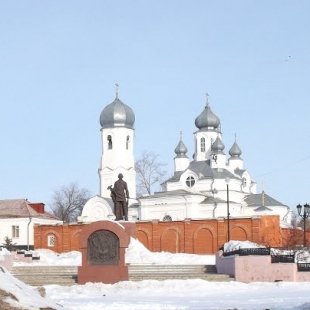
304, 215
227, 180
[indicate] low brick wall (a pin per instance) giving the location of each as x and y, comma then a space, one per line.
258, 269
188, 236
7, 261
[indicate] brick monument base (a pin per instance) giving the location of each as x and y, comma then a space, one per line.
103, 246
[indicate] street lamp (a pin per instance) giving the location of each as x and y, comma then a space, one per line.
227, 180
304, 215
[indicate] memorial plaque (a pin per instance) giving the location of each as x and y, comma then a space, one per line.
103, 248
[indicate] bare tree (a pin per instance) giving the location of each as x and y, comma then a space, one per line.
68, 202
149, 173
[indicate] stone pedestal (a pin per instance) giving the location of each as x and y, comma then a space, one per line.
103, 246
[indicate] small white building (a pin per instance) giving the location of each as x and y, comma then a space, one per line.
17, 218
205, 187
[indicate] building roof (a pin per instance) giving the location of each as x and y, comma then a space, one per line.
261, 200
178, 192
212, 200
204, 171
20, 208
262, 209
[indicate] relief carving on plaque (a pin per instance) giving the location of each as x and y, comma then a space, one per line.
103, 248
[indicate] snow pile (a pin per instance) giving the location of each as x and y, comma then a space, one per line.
137, 253
27, 297
156, 295
4, 252
51, 258
234, 245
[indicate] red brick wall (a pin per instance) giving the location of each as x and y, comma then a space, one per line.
188, 236
38, 207
66, 237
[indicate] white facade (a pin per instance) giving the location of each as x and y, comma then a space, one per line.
17, 219
117, 138
117, 158
25, 226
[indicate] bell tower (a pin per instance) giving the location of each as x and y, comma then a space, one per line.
117, 138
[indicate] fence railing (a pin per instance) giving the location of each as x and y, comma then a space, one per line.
303, 266
283, 258
278, 255
248, 251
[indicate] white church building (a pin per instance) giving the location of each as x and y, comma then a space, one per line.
205, 187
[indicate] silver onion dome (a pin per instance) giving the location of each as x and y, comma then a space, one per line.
207, 119
235, 150
117, 114
218, 146
181, 149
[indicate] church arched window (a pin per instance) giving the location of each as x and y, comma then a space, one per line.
202, 144
127, 142
190, 181
109, 142
167, 218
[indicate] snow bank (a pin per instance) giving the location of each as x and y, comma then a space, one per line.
27, 296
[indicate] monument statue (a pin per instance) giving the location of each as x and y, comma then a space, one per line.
120, 196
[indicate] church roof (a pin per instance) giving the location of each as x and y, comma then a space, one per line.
117, 114
202, 169
20, 208
261, 209
261, 200
179, 192
212, 200
240, 172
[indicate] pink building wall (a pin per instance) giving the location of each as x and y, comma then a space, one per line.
258, 269
7, 261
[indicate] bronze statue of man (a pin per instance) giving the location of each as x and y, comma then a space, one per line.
121, 198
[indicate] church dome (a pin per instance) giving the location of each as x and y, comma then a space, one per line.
235, 150
117, 114
218, 146
207, 119
181, 149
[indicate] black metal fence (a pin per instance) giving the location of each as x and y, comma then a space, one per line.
303, 266
254, 251
248, 251
282, 258
278, 255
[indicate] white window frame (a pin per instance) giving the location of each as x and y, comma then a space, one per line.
203, 145
51, 240
190, 181
15, 231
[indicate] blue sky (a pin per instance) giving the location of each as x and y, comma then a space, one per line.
59, 61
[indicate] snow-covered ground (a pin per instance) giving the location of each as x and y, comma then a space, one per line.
159, 295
